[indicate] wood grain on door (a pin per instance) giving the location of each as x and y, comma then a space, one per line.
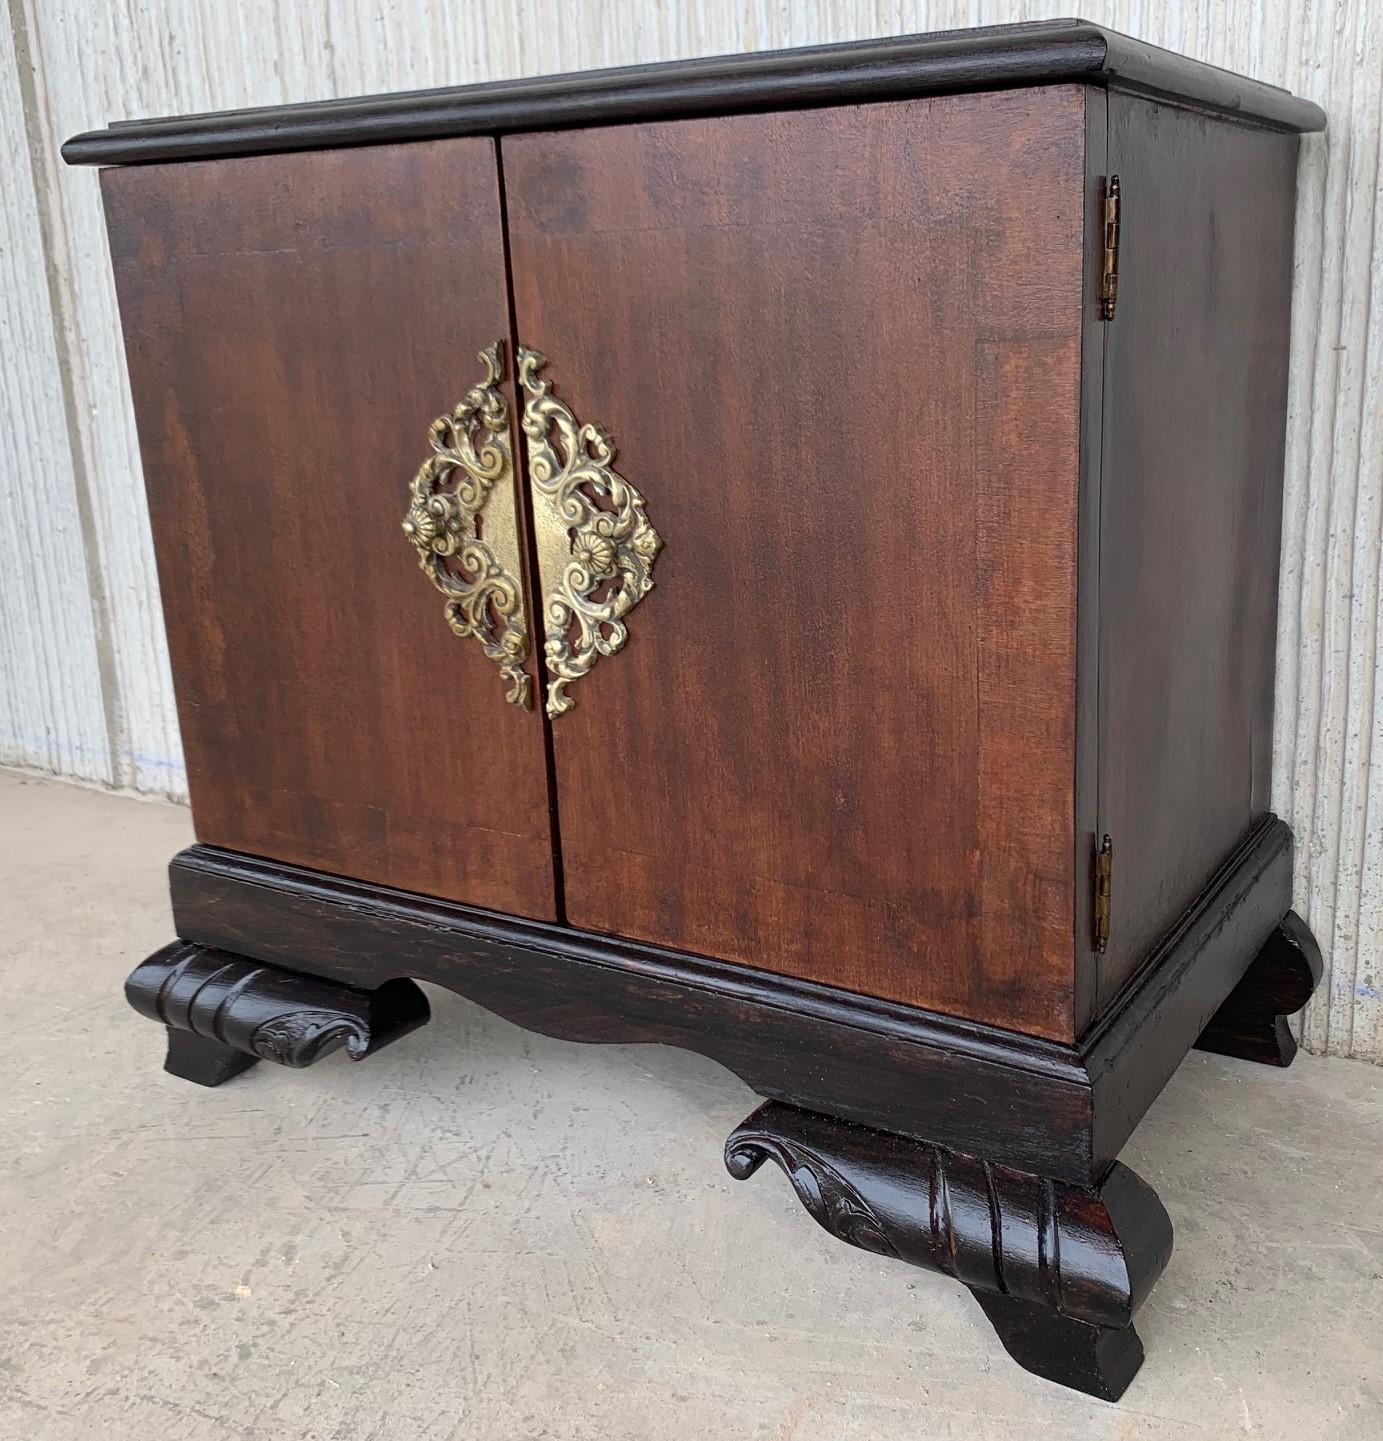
294, 324
839, 354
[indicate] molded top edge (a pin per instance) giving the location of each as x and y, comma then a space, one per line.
1035, 53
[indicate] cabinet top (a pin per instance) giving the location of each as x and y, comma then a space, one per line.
1037, 53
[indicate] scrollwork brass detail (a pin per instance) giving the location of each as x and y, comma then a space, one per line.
475, 564
596, 547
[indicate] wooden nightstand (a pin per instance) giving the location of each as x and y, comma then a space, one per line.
833, 630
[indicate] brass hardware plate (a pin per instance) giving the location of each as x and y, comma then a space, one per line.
1109, 266
475, 563
596, 547
1104, 877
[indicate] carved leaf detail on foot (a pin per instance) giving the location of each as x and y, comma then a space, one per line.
828, 1197
298, 1038
230, 1001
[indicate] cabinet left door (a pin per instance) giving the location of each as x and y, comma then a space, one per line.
294, 324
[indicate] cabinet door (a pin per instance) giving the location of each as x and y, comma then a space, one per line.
837, 352
294, 324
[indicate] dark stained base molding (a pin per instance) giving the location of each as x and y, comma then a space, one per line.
1252, 1023
985, 1154
1054, 1110
224, 1013
1059, 1270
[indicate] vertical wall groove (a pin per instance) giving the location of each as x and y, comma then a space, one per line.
40, 151
65, 392
51, 714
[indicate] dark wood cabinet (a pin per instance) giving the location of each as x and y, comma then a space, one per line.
832, 626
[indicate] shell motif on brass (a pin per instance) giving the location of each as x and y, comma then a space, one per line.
596, 548
463, 522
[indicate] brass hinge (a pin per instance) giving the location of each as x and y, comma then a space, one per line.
1109, 266
1104, 871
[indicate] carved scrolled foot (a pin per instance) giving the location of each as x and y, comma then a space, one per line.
1252, 1022
1059, 1269
225, 1012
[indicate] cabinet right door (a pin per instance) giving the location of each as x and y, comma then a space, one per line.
837, 354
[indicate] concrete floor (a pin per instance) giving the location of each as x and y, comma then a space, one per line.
484, 1234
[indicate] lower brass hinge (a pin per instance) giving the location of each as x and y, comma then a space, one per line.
1109, 264
1104, 872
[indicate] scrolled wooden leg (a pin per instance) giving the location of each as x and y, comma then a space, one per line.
1252, 1022
225, 1012
1059, 1269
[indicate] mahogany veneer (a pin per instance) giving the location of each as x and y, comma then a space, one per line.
869, 461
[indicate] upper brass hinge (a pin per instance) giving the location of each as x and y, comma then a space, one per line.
1104, 872
1109, 264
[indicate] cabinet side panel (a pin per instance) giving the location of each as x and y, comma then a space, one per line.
1093, 335
839, 354
293, 326
1195, 387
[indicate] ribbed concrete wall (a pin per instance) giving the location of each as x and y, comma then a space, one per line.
84, 686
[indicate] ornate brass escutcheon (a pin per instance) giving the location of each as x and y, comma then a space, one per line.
475, 563
596, 547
